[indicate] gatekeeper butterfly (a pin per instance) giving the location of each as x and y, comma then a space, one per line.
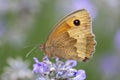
71, 38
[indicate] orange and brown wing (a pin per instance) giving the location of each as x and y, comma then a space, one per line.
67, 23
69, 40
85, 43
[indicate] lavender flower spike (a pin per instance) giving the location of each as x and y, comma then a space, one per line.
57, 71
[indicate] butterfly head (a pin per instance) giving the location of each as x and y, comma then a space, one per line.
42, 47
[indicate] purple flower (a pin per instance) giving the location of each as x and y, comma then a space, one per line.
58, 70
117, 41
17, 69
85, 4
109, 65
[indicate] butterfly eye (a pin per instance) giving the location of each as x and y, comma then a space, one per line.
76, 22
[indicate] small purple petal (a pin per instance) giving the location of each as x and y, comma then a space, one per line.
35, 68
71, 63
60, 73
46, 68
38, 66
41, 79
45, 58
72, 72
36, 60
59, 64
80, 75
56, 59
81, 72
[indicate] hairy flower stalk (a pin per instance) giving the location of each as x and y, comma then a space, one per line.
57, 71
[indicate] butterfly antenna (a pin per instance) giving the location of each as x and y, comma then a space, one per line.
31, 51
29, 45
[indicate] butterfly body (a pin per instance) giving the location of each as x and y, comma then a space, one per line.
71, 38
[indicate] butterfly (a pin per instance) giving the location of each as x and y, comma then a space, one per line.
71, 38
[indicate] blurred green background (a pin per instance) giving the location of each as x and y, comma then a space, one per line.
24, 24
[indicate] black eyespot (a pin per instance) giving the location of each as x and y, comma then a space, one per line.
76, 22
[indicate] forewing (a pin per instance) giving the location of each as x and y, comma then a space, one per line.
67, 23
